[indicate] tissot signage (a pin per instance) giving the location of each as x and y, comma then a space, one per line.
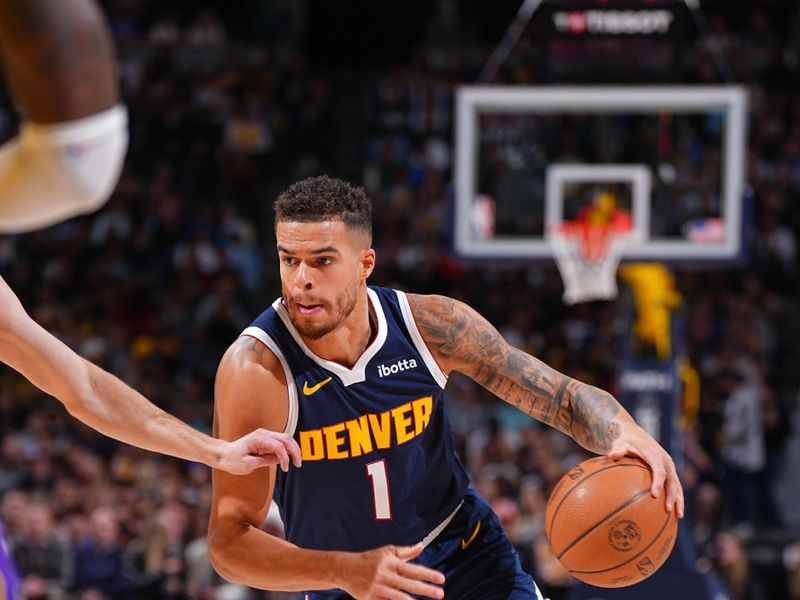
612, 41
613, 22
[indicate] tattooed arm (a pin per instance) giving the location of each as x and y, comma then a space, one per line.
462, 340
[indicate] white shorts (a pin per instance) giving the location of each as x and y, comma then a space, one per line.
53, 172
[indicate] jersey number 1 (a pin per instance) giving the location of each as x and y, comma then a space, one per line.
376, 471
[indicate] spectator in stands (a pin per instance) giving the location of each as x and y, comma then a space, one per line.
151, 286
742, 445
41, 555
98, 562
734, 567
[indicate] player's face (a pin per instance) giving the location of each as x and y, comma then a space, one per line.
323, 266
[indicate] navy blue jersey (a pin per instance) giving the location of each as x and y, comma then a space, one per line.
379, 465
474, 555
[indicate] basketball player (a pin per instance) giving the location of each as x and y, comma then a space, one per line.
356, 374
59, 61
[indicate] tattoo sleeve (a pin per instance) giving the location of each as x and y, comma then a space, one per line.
464, 341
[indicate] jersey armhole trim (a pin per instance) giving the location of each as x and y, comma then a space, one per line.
294, 408
420, 344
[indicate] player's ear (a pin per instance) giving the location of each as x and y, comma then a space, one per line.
367, 262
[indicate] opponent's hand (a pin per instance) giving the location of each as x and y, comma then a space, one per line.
386, 574
636, 441
259, 448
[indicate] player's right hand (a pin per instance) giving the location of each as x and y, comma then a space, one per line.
636, 441
259, 448
386, 574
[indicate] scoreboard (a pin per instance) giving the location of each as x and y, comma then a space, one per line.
609, 41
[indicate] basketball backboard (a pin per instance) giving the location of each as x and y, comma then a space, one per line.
529, 157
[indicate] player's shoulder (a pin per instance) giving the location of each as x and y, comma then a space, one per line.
247, 354
251, 387
435, 308
441, 322
454, 332
427, 301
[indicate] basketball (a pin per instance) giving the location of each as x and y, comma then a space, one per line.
604, 525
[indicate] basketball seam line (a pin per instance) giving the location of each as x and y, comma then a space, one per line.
643, 550
570, 490
603, 520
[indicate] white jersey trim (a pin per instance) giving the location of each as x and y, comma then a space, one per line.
538, 593
359, 371
426, 541
440, 527
416, 337
294, 407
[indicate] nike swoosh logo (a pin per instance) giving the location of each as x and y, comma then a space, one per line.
465, 545
314, 388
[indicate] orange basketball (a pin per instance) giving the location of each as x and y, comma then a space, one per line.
605, 527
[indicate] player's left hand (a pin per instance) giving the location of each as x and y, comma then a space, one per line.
259, 448
636, 441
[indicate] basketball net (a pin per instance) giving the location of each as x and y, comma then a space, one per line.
587, 255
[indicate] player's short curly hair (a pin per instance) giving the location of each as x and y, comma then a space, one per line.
325, 198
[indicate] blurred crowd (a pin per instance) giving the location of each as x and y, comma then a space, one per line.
225, 111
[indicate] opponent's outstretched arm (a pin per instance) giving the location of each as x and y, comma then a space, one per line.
462, 340
108, 405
